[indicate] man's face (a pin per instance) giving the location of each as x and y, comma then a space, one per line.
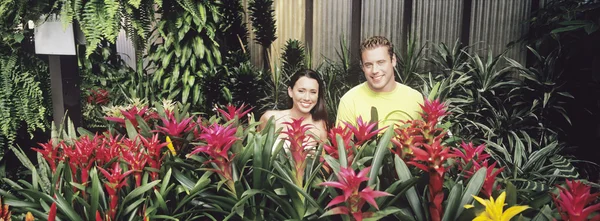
379, 69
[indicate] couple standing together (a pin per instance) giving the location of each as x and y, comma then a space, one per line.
380, 99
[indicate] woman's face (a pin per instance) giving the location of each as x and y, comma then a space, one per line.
305, 94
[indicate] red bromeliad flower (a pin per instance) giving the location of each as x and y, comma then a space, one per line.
407, 138
296, 135
154, 150
490, 178
233, 112
331, 148
363, 130
130, 114
219, 140
110, 149
349, 182
478, 159
50, 153
471, 153
431, 160
432, 157
172, 128
571, 202
52, 212
433, 111
116, 179
83, 155
99, 97
133, 153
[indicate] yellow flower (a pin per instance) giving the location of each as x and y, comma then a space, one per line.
170, 146
29, 217
494, 209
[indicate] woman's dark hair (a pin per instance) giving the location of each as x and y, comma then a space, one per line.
319, 112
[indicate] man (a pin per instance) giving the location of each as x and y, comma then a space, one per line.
381, 99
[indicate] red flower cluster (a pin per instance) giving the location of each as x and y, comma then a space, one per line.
298, 139
173, 127
99, 97
349, 182
234, 112
99, 150
419, 143
351, 136
572, 202
219, 140
130, 114
478, 159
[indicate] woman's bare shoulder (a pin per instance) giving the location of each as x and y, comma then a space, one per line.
277, 114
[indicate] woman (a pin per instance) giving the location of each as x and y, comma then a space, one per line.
307, 101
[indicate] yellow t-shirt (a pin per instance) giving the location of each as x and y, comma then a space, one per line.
400, 104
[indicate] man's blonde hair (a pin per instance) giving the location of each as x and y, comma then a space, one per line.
375, 42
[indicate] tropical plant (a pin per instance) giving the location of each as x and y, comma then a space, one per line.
24, 91
335, 72
103, 20
188, 51
233, 35
165, 163
262, 17
293, 57
410, 63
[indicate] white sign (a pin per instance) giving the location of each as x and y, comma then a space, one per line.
52, 38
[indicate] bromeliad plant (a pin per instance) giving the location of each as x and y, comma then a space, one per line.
179, 166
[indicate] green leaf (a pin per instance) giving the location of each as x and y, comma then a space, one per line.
95, 192
411, 195
342, 152
139, 191
383, 213
566, 29
511, 194
473, 188
66, 208
453, 202
131, 131
380, 152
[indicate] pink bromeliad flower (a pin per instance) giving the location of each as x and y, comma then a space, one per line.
363, 130
572, 202
174, 128
233, 112
433, 111
298, 139
130, 114
471, 153
349, 182
219, 140
331, 148
407, 138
